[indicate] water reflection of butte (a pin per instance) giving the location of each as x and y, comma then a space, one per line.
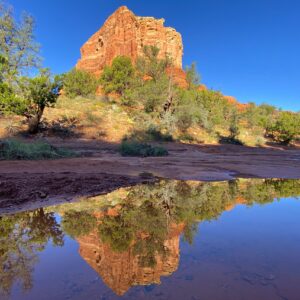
121, 271
237, 201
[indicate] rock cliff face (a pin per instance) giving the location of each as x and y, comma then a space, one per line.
122, 270
123, 33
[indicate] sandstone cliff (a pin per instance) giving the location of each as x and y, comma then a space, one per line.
124, 33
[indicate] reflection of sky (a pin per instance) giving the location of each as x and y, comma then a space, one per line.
255, 248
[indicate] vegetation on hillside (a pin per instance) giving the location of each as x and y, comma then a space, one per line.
79, 84
145, 94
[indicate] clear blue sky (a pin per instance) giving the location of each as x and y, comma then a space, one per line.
249, 49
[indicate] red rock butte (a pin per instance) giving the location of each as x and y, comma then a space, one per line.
124, 33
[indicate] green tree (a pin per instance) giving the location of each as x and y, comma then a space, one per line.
192, 77
234, 126
39, 92
118, 77
9, 101
153, 95
266, 116
286, 128
79, 83
150, 65
17, 44
218, 110
184, 118
152, 87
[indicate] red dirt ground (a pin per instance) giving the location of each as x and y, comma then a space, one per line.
28, 184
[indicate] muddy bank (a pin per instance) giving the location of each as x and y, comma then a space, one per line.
30, 183
26, 191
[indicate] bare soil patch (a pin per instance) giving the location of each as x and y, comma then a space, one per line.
101, 169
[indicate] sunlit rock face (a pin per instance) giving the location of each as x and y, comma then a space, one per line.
122, 270
124, 33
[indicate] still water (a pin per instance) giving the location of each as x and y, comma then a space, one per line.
168, 240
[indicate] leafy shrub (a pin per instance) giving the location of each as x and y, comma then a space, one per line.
286, 127
13, 149
118, 77
79, 83
40, 92
9, 102
133, 148
192, 77
184, 120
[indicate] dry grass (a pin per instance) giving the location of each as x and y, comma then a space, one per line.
101, 118
93, 118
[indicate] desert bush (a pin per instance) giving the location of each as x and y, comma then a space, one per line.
192, 77
79, 83
216, 110
149, 65
10, 103
16, 150
286, 128
117, 78
234, 129
133, 148
151, 95
39, 92
184, 119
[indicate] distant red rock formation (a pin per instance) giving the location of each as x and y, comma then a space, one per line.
126, 34
234, 101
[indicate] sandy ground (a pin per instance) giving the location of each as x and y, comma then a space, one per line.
30, 183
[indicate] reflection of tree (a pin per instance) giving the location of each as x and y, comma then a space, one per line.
117, 232
21, 237
142, 221
145, 215
145, 225
78, 223
153, 208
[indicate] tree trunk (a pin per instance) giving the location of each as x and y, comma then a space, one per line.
168, 104
34, 121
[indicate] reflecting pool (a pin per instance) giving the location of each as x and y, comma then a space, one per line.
167, 240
